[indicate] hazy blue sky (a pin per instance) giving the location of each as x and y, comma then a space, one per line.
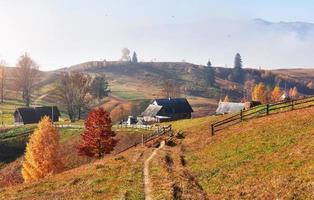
61, 33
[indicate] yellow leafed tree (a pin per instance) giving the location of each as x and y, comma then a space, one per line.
260, 93
276, 94
42, 152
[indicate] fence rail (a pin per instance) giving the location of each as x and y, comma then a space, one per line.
267, 109
147, 138
138, 126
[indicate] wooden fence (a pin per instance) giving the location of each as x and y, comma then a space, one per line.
138, 126
147, 138
261, 111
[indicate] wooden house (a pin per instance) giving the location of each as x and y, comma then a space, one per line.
34, 115
161, 110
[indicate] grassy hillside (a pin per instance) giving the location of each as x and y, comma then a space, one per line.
13, 142
259, 159
110, 178
134, 85
266, 158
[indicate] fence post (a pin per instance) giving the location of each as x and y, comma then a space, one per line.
292, 104
213, 130
267, 109
241, 115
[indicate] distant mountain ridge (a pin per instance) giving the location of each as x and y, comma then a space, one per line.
303, 29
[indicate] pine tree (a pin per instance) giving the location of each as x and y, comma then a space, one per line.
209, 64
98, 138
134, 57
209, 75
260, 93
276, 94
237, 71
99, 87
238, 61
42, 152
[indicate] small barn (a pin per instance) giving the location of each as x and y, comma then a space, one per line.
229, 107
161, 110
34, 115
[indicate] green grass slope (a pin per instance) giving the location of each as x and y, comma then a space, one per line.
12, 146
264, 158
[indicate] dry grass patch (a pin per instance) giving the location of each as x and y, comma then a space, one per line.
269, 157
108, 178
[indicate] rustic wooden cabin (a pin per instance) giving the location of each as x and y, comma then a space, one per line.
161, 110
34, 115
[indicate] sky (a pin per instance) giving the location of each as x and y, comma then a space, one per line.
61, 33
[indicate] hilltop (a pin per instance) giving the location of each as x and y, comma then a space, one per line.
134, 85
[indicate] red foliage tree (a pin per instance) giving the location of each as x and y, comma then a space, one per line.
98, 138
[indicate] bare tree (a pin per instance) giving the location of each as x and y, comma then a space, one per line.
170, 89
73, 92
3, 77
25, 74
81, 88
248, 89
66, 94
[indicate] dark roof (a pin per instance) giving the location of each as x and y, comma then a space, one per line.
46, 110
176, 105
28, 115
33, 115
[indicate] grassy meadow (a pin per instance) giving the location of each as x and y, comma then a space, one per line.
262, 158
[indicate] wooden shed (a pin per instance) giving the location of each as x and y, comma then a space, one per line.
34, 115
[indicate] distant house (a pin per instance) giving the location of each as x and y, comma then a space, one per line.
229, 107
251, 104
285, 96
161, 110
34, 115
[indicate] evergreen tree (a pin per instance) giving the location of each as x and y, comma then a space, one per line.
209, 74
134, 57
238, 72
209, 64
99, 87
98, 138
238, 61
42, 152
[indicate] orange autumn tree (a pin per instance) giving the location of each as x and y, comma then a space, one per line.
226, 98
276, 94
42, 155
98, 138
260, 93
293, 92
